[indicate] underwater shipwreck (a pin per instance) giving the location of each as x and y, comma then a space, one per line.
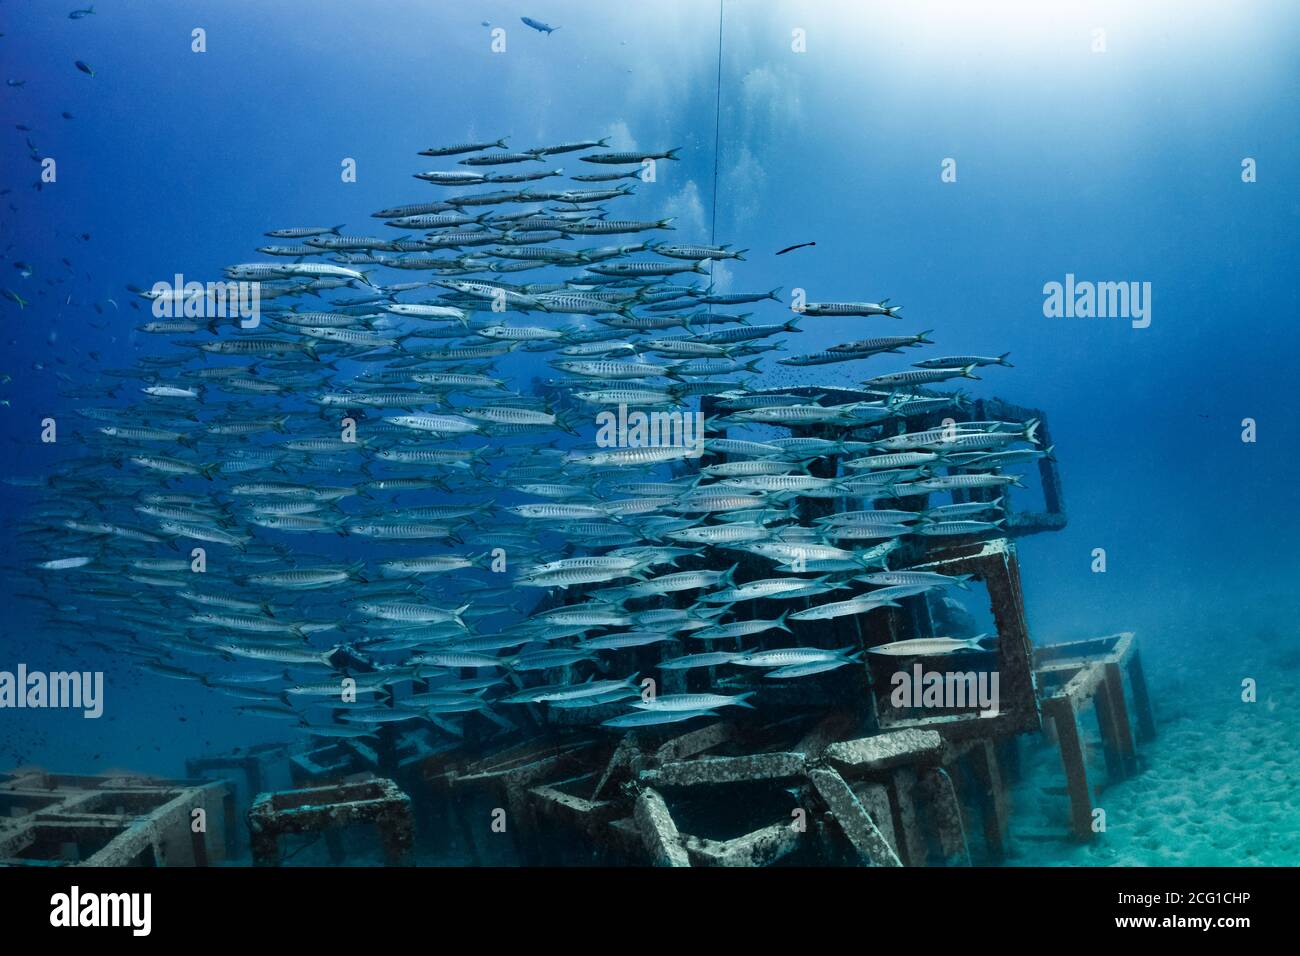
637, 688
823, 770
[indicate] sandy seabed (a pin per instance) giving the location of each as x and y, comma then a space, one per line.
1220, 785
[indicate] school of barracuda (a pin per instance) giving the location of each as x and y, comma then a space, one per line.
236, 442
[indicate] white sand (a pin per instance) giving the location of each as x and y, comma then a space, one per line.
1220, 786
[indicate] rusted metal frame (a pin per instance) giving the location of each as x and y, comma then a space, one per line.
460, 819
112, 832
536, 757
1053, 517
852, 817
935, 785
1060, 708
624, 761
876, 799
886, 750
1102, 682
250, 765
761, 847
1103, 707
711, 771
164, 831
663, 843
1115, 654
1146, 722
994, 563
321, 809
827, 731
556, 805
992, 796
1114, 647
1121, 727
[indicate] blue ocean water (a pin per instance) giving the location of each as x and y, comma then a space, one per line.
1116, 165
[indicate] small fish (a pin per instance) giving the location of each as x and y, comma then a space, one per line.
538, 25
695, 702
652, 718
85, 68
929, 646
63, 564
801, 245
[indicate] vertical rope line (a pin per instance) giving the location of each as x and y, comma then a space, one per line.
717, 137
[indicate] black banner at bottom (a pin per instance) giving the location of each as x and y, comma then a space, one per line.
305, 906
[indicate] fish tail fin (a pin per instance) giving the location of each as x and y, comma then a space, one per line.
780, 621
1002, 360
672, 153
960, 581
566, 421
603, 141
1048, 453
1031, 430
921, 338
773, 294
335, 229
663, 223
968, 372
502, 142
456, 615
751, 366
699, 267
739, 254
207, 471
742, 700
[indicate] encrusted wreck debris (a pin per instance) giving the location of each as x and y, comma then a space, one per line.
829, 769
61, 820
328, 809
844, 776
1077, 673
